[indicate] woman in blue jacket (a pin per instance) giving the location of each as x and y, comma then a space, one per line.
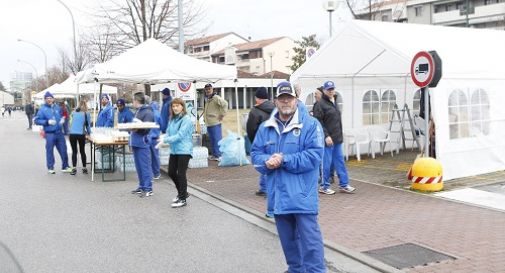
179, 135
79, 129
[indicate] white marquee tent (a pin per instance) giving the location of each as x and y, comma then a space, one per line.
370, 65
69, 89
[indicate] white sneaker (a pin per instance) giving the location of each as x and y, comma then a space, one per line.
157, 177
51, 171
326, 191
347, 189
179, 203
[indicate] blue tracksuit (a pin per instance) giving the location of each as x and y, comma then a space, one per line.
106, 117
140, 142
125, 115
154, 134
292, 189
165, 113
53, 134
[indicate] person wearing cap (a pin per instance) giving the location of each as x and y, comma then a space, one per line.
140, 143
214, 110
154, 135
125, 115
49, 117
165, 109
106, 114
328, 113
259, 113
288, 149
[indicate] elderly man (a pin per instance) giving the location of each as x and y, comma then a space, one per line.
327, 112
288, 149
214, 111
49, 116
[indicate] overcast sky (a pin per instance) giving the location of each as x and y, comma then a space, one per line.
48, 24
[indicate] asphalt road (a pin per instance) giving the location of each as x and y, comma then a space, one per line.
61, 223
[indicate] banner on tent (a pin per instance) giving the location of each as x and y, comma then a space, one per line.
185, 91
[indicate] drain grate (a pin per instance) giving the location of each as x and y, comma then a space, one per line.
407, 255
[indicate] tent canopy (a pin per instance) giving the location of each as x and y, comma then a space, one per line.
69, 89
153, 62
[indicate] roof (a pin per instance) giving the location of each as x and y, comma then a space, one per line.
208, 39
252, 45
276, 75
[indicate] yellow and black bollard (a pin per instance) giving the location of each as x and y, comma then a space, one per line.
426, 175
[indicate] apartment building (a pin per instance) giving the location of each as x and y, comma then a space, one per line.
202, 48
479, 14
386, 11
259, 57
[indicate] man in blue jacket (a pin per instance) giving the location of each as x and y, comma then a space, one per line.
140, 143
106, 114
165, 110
154, 134
288, 149
49, 116
124, 114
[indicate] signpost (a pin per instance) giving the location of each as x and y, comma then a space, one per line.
426, 71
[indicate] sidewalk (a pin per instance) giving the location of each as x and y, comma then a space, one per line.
377, 217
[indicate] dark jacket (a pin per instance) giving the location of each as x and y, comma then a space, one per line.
29, 109
330, 118
258, 114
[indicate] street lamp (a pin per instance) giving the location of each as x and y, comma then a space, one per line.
36, 75
271, 54
45, 57
73, 28
181, 26
330, 6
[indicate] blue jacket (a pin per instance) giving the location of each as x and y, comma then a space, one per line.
140, 138
46, 113
106, 117
125, 116
180, 135
165, 113
155, 133
79, 125
293, 187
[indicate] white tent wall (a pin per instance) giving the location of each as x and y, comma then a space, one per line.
468, 150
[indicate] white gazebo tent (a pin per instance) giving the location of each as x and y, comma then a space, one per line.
365, 58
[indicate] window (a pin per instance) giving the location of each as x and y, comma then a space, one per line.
371, 106
388, 101
419, 10
416, 105
221, 59
206, 48
385, 18
480, 113
458, 115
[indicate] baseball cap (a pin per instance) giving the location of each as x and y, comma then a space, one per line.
328, 85
208, 85
120, 102
285, 88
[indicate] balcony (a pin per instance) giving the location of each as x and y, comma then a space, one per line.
480, 14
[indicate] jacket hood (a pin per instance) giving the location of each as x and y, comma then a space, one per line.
155, 106
266, 106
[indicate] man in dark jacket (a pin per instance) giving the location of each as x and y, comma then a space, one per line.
328, 114
165, 109
260, 112
29, 114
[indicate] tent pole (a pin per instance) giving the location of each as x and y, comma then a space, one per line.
238, 116
94, 126
352, 100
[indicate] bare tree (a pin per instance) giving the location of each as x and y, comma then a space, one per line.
82, 61
101, 43
372, 6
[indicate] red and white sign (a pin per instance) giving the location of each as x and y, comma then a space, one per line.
185, 91
422, 69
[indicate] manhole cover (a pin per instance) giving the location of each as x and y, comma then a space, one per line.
407, 255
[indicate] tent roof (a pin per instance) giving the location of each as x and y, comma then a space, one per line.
153, 62
370, 48
69, 86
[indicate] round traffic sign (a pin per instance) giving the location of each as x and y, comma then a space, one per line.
184, 86
422, 69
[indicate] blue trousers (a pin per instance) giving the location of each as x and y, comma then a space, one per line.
58, 140
215, 136
155, 158
263, 182
142, 158
333, 156
301, 242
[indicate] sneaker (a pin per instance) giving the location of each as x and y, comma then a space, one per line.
73, 172
326, 191
260, 193
176, 199
157, 177
146, 194
269, 215
67, 170
214, 158
347, 189
179, 203
51, 171
84, 170
137, 191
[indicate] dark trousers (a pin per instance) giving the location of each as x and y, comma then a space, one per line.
177, 167
81, 139
30, 120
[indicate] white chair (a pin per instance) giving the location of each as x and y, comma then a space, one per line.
382, 137
356, 138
